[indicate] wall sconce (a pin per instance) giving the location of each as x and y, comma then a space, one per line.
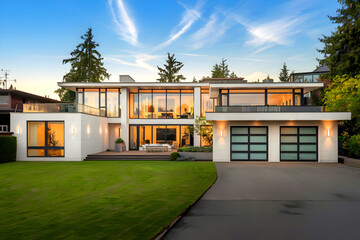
88, 130
106, 130
73, 131
18, 130
221, 133
328, 132
100, 130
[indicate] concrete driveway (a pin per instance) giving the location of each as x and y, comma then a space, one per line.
276, 201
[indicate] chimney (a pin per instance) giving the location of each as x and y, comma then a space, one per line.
126, 79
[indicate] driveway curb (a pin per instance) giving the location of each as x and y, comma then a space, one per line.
164, 231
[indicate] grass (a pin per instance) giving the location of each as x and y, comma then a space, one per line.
97, 200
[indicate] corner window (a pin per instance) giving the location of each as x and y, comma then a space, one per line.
45, 139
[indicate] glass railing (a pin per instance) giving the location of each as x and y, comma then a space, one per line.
240, 109
62, 107
307, 78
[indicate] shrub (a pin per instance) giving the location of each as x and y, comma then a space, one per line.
174, 156
353, 146
119, 140
195, 149
7, 149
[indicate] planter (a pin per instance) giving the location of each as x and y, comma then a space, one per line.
118, 147
202, 156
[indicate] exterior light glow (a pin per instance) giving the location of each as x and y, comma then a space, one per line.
328, 132
18, 131
221, 133
88, 130
73, 131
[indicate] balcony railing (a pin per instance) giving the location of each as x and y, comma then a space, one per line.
62, 108
241, 109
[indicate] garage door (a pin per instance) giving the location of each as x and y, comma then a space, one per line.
249, 144
298, 144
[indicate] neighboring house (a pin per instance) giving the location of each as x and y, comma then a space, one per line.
251, 121
12, 100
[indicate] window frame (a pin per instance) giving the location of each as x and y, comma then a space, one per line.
45, 148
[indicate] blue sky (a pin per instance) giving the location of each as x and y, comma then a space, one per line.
255, 36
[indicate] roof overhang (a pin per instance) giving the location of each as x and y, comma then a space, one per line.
137, 85
279, 116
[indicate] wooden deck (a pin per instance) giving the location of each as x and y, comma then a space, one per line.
129, 155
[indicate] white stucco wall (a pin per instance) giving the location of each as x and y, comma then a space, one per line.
327, 146
78, 140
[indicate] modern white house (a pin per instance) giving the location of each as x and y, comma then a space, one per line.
262, 121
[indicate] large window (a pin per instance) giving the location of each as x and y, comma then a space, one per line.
174, 135
104, 99
162, 104
207, 104
45, 139
261, 97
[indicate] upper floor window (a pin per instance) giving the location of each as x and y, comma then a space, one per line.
105, 99
207, 104
162, 104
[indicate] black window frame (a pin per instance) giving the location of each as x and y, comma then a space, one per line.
298, 135
45, 148
249, 143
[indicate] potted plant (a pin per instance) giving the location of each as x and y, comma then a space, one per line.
118, 145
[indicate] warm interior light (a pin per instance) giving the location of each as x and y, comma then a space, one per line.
328, 132
221, 133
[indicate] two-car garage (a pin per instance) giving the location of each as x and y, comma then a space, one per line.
251, 143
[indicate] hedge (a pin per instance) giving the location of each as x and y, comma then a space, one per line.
353, 146
195, 149
7, 149
174, 156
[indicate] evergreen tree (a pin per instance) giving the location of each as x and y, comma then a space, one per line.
194, 79
284, 74
220, 70
86, 66
170, 70
233, 75
342, 47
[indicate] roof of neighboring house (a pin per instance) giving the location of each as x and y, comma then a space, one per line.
27, 95
322, 69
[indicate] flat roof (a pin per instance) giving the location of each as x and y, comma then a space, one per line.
18, 93
308, 86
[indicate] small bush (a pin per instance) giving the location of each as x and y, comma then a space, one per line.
174, 156
353, 146
195, 149
7, 149
119, 140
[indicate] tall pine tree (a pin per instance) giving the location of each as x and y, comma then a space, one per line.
284, 74
86, 66
342, 48
170, 71
220, 70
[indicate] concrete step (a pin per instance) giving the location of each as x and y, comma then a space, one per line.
125, 157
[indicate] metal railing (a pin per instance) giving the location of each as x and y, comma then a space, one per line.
240, 109
62, 108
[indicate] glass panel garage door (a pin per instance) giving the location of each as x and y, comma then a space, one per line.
249, 143
298, 143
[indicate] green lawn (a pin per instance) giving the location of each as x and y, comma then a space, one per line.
97, 200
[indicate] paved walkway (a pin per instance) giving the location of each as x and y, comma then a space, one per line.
276, 201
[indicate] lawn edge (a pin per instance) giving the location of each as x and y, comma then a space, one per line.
165, 229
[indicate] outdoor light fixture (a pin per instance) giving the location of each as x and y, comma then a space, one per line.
88, 130
328, 132
221, 132
100, 130
18, 130
73, 131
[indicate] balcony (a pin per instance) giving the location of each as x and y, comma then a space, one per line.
62, 108
263, 109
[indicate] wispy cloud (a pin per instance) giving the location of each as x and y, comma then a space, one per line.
269, 34
125, 25
140, 61
211, 32
189, 17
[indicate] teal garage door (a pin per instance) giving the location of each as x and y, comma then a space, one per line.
249, 143
298, 144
